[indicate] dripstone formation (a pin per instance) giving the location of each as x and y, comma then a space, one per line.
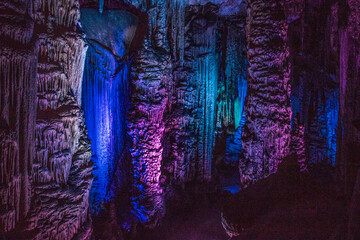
114, 115
45, 160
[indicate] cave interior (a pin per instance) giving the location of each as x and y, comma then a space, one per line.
180, 119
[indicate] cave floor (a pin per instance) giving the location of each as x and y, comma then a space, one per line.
293, 210
284, 206
195, 224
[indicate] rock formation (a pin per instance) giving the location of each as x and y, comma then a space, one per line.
170, 93
151, 74
178, 99
18, 51
266, 134
105, 97
49, 180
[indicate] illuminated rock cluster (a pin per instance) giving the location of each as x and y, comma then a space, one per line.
47, 168
323, 68
124, 106
179, 97
150, 76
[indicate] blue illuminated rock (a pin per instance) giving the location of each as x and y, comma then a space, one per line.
112, 29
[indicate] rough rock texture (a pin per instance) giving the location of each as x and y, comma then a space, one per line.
53, 172
18, 62
199, 98
207, 84
298, 144
266, 134
185, 80
186, 113
150, 75
178, 105
324, 54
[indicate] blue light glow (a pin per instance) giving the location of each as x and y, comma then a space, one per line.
105, 97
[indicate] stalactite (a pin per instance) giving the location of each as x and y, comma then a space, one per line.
62, 12
58, 117
191, 114
105, 100
101, 6
206, 74
232, 87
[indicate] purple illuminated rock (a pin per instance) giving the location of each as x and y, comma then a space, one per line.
150, 75
266, 134
298, 144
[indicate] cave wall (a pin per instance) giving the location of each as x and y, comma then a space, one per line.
53, 171
181, 103
349, 55
324, 50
